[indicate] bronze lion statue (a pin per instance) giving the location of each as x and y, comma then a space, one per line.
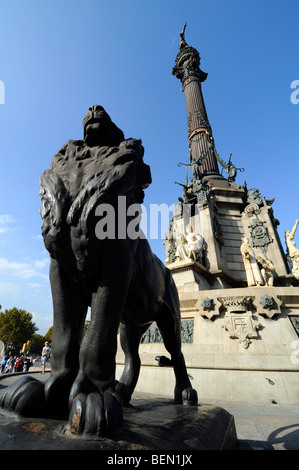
118, 277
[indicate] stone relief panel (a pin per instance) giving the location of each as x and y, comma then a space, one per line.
294, 319
153, 334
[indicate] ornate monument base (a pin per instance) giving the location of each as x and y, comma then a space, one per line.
240, 341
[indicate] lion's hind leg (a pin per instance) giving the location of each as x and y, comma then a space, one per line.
169, 326
130, 336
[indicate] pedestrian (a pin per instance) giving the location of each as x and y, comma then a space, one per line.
3, 364
45, 356
7, 367
12, 364
27, 363
19, 364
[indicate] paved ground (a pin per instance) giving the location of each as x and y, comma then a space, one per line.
259, 426
265, 426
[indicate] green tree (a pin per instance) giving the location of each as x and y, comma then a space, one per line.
37, 343
49, 334
16, 328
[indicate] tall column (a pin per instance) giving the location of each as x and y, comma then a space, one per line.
201, 143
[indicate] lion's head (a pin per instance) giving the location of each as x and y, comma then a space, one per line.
99, 129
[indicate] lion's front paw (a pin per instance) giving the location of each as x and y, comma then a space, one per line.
25, 397
96, 414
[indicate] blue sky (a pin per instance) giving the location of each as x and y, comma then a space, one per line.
59, 57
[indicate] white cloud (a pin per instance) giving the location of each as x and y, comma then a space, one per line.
8, 288
43, 322
42, 263
22, 270
34, 285
37, 237
6, 222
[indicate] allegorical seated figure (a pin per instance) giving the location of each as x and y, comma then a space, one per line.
190, 246
119, 277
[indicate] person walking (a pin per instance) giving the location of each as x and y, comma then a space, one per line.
45, 356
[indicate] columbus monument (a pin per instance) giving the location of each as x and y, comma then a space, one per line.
237, 281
